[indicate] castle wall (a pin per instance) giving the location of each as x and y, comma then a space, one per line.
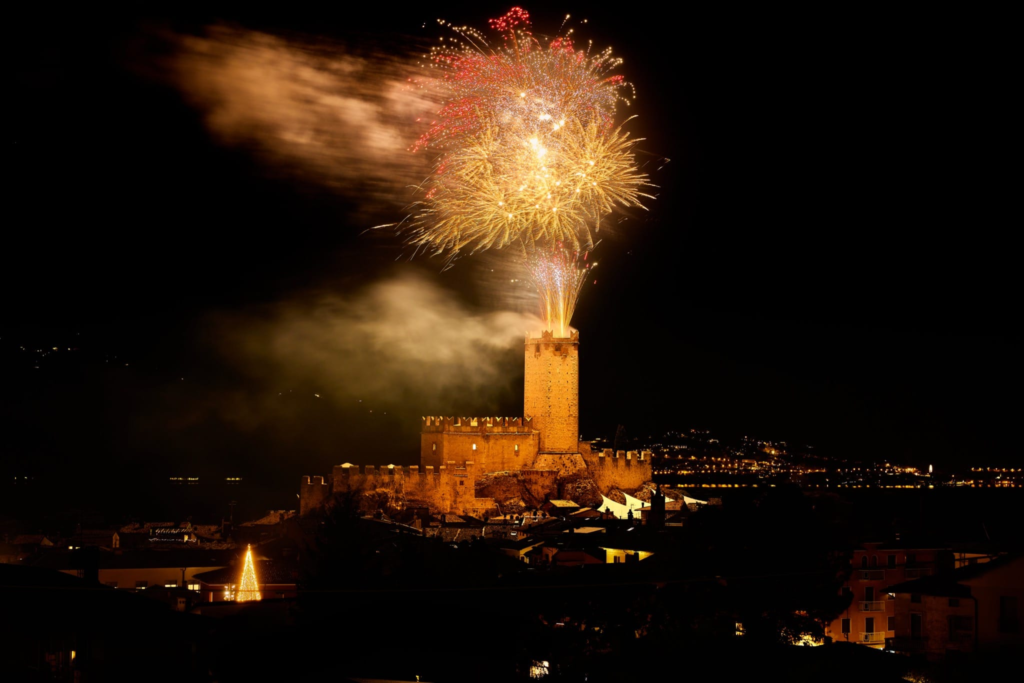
313, 491
431, 448
447, 488
552, 391
492, 452
621, 470
493, 444
427, 485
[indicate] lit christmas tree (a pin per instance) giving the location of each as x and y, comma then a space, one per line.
248, 587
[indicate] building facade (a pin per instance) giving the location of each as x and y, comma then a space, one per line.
975, 608
870, 618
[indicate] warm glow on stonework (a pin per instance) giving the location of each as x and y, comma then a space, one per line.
248, 587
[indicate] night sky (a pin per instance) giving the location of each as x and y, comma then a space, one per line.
828, 260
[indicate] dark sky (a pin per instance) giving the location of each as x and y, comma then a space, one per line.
828, 260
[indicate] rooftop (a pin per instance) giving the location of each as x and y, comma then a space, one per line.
562, 503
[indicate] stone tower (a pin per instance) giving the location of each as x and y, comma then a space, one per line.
552, 396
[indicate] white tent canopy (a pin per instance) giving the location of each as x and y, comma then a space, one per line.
622, 511
619, 510
635, 503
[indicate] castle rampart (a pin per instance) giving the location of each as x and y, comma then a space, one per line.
444, 488
621, 470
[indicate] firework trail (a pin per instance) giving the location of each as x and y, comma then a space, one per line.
528, 153
559, 274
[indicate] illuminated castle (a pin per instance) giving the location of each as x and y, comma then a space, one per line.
540, 450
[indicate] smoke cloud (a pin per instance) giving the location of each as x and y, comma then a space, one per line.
402, 343
306, 107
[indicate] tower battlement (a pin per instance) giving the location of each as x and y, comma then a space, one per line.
549, 336
477, 425
610, 458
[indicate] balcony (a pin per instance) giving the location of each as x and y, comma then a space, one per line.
878, 637
872, 574
871, 605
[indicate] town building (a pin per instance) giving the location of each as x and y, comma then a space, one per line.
870, 617
975, 608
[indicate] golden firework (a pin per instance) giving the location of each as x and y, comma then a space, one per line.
490, 193
528, 153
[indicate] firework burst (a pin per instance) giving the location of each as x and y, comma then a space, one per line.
521, 85
489, 194
528, 153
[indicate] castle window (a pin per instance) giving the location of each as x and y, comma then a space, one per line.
517, 448
474, 447
433, 447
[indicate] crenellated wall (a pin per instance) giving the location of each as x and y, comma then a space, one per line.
445, 488
493, 443
621, 470
513, 425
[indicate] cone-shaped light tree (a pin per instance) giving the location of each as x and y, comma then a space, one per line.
248, 587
